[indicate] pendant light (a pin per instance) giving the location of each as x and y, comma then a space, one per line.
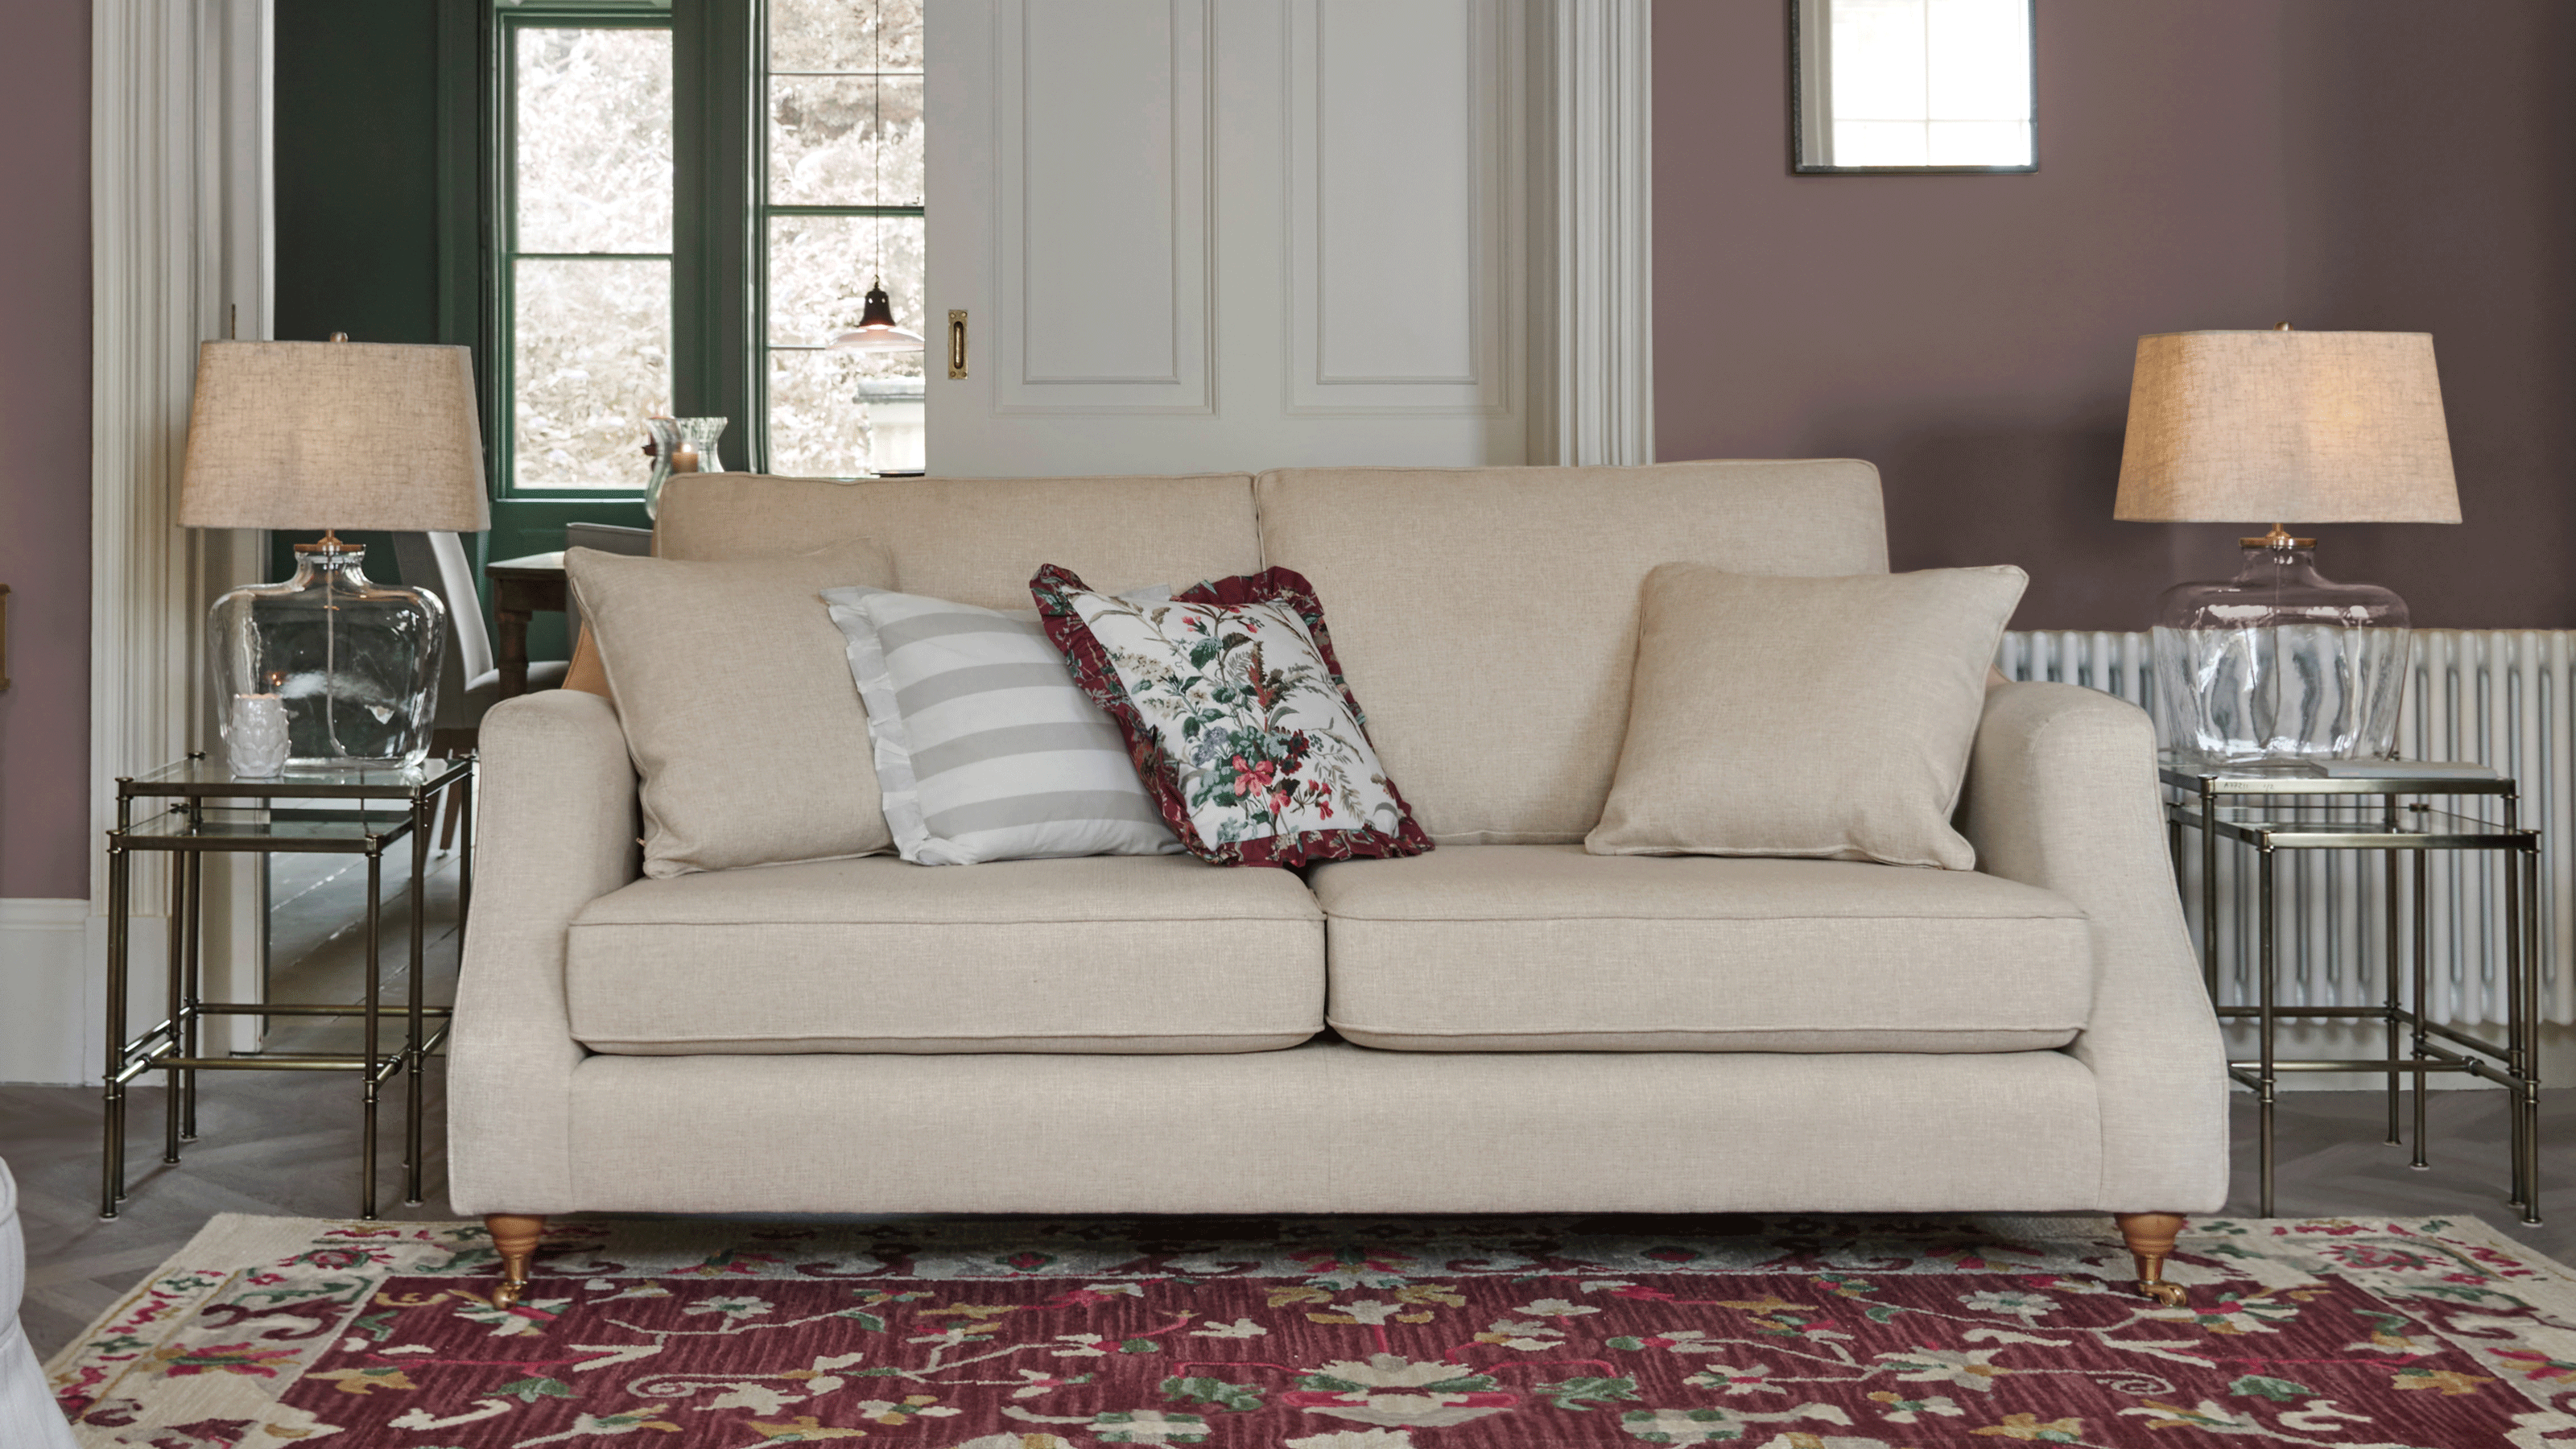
876, 331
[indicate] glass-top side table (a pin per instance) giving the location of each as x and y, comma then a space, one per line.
2374, 805
196, 806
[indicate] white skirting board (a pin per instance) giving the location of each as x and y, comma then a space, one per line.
49, 1027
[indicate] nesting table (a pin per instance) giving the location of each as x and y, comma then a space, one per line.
2373, 806
196, 807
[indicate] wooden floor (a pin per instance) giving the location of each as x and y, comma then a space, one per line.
287, 1144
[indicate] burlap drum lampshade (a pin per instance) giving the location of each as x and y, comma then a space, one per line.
2286, 427
315, 435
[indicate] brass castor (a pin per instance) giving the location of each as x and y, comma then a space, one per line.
2150, 1237
514, 1237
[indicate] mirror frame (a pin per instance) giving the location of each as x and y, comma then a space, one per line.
1799, 38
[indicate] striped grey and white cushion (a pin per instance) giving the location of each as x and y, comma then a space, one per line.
985, 749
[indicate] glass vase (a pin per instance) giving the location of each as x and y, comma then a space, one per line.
2280, 664
354, 663
666, 440
699, 435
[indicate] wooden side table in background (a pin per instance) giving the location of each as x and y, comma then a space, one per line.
520, 588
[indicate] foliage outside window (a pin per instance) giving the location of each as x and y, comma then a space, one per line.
586, 252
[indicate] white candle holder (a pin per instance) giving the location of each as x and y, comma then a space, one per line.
256, 746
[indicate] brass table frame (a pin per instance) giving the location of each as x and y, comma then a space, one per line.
189, 827
2398, 829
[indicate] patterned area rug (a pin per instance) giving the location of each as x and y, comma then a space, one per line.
1341, 1333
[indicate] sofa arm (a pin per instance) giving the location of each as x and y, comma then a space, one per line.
556, 830
2061, 794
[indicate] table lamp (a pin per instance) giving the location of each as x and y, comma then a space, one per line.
321, 435
2281, 664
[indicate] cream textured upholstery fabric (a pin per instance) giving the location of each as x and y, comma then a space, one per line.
1338, 1129
738, 704
556, 832
977, 540
1546, 948
2062, 795
1805, 717
1089, 954
1487, 617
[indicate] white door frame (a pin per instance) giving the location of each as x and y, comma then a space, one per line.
1592, 340
181, 251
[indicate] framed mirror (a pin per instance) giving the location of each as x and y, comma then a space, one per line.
1912, 87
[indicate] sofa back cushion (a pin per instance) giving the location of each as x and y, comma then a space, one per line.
1487, 617
977, 540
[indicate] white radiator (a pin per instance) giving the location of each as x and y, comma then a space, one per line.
2501, 697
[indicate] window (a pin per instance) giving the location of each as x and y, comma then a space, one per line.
585, 252
841, 207
683, 217
1913, 85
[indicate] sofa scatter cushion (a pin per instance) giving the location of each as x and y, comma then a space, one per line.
745, 727
1236, 717
1822, 717
984, 749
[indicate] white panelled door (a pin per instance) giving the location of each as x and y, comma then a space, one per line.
1225, 235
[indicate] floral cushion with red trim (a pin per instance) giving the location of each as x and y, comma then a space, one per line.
1236, 716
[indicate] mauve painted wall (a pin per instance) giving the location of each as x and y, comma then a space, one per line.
44, 422
2204, 163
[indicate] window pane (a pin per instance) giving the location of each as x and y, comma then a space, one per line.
820, 267
840, 414
1978, 61
824, 147
845, 35
589, 360
1878, 74
594, 140
1881, 143
1979, 143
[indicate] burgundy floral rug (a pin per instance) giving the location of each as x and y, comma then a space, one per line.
1335, 1333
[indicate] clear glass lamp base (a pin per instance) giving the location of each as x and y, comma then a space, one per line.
2279, 664
353, 663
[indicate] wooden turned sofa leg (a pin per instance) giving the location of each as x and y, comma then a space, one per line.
2151, 1238
514, 1237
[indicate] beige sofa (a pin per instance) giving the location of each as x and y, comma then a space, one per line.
1515, 1025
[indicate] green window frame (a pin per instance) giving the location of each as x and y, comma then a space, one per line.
722, 215
713, 286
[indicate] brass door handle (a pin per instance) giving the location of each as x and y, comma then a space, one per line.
4, 636
956, 344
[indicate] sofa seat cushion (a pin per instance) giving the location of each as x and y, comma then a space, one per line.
1546, 948
1095, 954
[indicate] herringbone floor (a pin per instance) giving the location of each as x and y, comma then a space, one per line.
287, 1144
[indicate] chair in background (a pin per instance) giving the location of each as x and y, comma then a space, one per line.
469, 680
